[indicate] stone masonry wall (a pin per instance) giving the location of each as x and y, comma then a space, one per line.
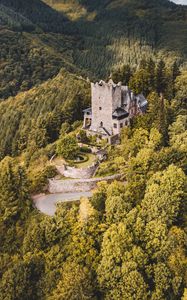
101, 106
77, 185
72, 172
106, 97
84, 173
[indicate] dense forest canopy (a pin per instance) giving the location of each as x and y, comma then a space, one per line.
26, 15
86, 37
127, 241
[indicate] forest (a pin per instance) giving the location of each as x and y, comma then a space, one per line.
85, 38
128, 241
131, 243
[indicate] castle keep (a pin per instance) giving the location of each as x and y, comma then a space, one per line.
112, 108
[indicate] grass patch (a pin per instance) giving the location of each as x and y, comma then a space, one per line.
91, 158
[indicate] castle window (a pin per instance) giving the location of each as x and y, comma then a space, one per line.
100, 108
126, 123
115, 125
101, 124
121, 125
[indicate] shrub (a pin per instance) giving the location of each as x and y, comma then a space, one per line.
85, 149
68, 147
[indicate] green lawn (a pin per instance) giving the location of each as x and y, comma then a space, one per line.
87, 163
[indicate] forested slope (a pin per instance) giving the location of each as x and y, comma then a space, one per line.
129, 240
87, 37
117, 32
29, 15
28, 59
34, 45
40, 112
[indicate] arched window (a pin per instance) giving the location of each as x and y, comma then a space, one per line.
101, 124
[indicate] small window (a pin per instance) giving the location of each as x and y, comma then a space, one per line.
115, 125
121, 125
100, 108
126, 123
101, 124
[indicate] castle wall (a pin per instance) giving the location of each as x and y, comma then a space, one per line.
101, 107
116, 97
105, 99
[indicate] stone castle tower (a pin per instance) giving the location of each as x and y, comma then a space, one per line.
106, 98
112, 107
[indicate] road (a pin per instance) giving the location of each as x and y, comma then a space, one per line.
47, 203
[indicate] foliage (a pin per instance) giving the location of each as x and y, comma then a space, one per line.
128, 241
36, 40
74, 286
33, 119
68, 147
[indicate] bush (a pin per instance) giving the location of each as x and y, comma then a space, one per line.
82, 136
68, 147
39, 180
50, 150
85, 149
85, 159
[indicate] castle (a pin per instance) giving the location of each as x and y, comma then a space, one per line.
113, 107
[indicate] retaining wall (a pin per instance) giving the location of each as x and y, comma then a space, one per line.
84, 173
77, 185
77, 173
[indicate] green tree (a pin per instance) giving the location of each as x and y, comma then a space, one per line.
118, 272
162, 281
161, 77
116, 209
122, 75
68, 147
65, 128
140, 82
181, 86
14, 197
178, 133
76, 283
164, 197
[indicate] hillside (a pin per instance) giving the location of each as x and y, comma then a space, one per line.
28, 59
37, 115
30, 15
128, 239
87, 37
34, 45
117, 32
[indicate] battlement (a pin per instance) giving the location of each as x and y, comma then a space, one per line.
102, 84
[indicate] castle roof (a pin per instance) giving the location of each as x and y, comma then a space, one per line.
142, 102
119, 113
